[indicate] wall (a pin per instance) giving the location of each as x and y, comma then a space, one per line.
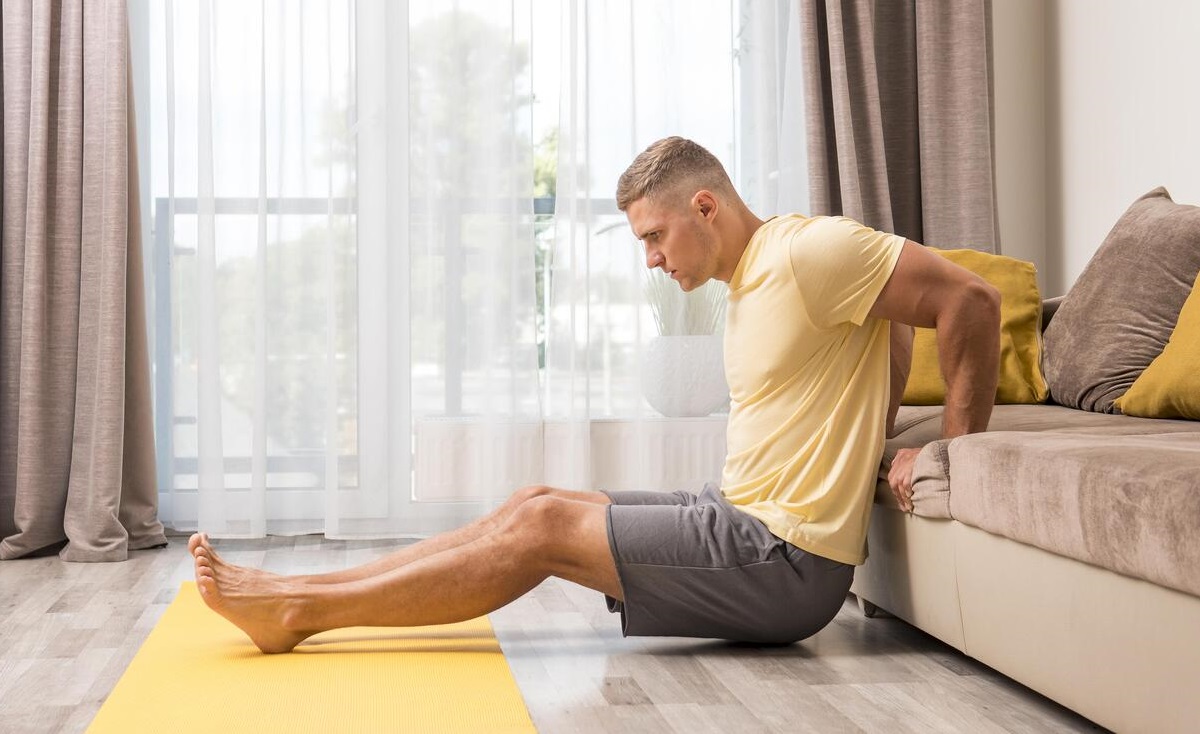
1097, 102
1018, 73
1122, 98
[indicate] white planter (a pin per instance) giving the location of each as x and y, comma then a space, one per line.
684, 376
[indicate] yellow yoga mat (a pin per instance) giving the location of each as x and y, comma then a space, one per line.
197, 672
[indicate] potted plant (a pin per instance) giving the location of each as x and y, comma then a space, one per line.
683, 369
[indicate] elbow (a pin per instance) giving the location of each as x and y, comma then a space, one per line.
975, 307
984, 303
990, 297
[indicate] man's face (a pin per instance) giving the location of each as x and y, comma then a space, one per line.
678, 240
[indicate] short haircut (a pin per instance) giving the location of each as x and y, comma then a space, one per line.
671, 166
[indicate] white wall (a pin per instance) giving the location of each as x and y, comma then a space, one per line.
1096, 103
1018, 74
1122, 102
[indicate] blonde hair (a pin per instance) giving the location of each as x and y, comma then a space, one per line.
671, 166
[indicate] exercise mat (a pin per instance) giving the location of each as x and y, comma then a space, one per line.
198, 672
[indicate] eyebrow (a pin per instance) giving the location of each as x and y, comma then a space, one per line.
647, 233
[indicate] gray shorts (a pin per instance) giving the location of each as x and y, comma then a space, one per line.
696, 566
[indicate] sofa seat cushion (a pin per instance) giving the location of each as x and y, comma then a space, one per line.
921, 426
917, 425
1130, 504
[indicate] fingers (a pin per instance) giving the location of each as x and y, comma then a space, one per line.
900, 478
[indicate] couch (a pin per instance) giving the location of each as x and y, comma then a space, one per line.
1061, 547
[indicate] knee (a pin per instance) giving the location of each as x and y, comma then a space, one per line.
525, 494
537, 509
541, 520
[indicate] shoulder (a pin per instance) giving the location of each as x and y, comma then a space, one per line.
836, 240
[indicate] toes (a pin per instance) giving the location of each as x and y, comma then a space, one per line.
206, 544
194, 543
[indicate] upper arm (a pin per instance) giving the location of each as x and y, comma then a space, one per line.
923, 286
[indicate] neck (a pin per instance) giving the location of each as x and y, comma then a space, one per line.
735, 234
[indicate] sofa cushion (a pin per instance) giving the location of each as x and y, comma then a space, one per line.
1170, 386
1130, 504
917, 425
921, 426
1020, 366
1117, 317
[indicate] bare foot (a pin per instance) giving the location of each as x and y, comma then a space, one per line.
258, 603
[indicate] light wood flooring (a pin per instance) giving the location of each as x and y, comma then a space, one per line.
68, 630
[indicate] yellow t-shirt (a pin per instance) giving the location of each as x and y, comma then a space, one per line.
808, 380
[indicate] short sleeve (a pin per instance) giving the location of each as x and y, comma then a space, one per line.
840, 267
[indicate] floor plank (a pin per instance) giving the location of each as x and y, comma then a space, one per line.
68, 631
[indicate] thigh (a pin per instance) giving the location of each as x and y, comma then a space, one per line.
680, 497
567, 538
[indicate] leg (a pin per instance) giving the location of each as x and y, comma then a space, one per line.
543, 536
438, 543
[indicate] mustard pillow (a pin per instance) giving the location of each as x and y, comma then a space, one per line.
1170, 386
1021, 379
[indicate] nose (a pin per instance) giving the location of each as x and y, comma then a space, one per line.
654, 259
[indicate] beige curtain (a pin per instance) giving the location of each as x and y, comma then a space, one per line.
76, 440
899, 114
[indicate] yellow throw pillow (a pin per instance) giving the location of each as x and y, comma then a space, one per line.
1021, 379
1170, 386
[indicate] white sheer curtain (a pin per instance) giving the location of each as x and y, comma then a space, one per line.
339, 237
725, 73
360, 326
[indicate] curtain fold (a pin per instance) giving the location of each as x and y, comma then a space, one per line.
900, 117
76, 448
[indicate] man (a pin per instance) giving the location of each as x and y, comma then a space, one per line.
767, 557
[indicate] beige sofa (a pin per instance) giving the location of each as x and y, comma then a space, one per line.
1061, 548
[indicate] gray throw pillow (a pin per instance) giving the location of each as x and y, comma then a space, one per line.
1118, 316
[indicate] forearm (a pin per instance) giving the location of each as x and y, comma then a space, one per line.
969, 353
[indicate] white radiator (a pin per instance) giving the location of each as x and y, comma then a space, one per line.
470, 458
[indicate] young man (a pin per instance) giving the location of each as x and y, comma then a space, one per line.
769, 555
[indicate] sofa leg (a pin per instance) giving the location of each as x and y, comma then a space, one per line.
868, 609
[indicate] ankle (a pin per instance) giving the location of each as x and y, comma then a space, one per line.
297, 613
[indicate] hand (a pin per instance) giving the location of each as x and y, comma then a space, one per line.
900, 477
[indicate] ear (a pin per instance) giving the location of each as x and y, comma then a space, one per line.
706, 203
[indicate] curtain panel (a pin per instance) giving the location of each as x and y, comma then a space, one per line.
389, 282
900, 119
342, 219
76, 441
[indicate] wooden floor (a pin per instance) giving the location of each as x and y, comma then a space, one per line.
68, 630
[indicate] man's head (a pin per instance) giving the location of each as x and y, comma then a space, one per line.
673, 194
669, 172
